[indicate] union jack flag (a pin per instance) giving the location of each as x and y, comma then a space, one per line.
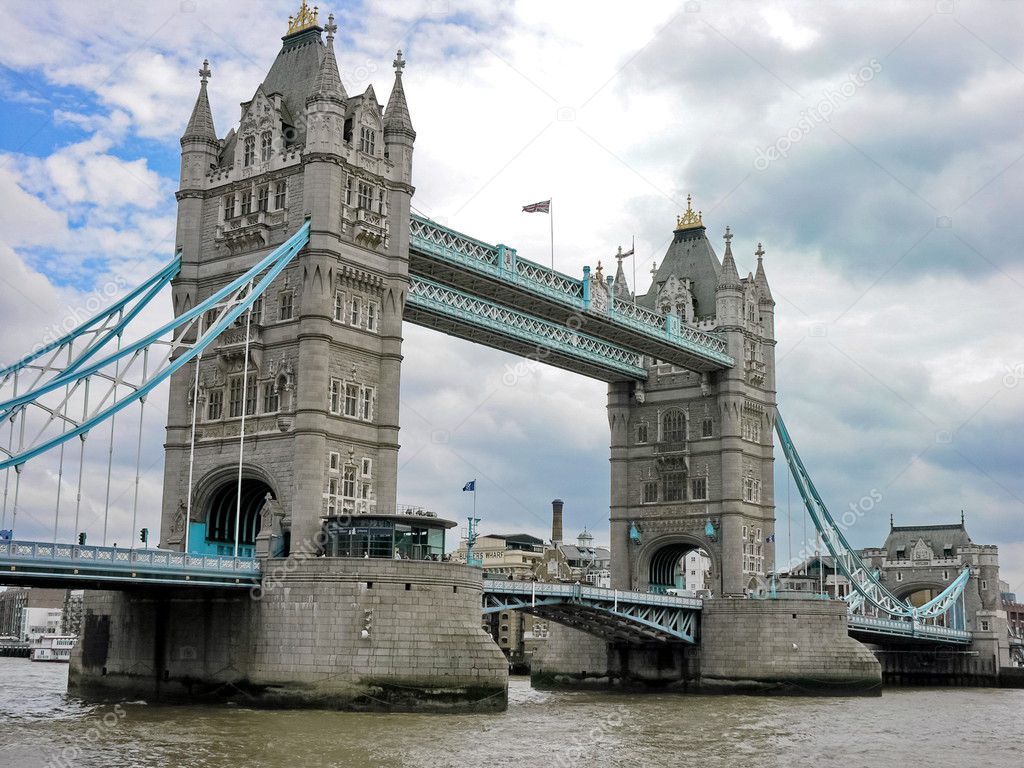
542, 207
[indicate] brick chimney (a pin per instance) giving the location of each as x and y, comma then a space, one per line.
556, 522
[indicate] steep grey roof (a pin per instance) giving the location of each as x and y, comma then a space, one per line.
294, 72
328, 82
760, 279
200, 125
396, 114
689, 255
729, 276
937, 537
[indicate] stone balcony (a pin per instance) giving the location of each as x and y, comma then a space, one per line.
249, 231
671, 455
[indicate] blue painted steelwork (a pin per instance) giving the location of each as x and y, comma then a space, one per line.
917, 630
868, 589
605, 612
28, 562
232, 300
444, 301
502, 263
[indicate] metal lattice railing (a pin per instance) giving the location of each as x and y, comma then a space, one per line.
550, 278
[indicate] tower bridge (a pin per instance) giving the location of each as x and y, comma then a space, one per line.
298, 260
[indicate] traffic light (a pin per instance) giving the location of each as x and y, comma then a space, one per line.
144, 535
81, 539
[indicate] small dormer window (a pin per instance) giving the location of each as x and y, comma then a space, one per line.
266, 143
367, 138
249, 153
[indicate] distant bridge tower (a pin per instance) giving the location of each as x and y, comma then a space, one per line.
320, 399
692, 454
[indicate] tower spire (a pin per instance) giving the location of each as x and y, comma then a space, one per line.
729, 277
760, 279
396, 113
327, 84
200, 124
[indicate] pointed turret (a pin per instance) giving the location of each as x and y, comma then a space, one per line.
729, 276
760, 280
327, 84
200, 125
620, 287
396, 114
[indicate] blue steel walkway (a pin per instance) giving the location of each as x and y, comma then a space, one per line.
33, 563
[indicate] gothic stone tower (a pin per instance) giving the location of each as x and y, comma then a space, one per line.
321, 399
691, 453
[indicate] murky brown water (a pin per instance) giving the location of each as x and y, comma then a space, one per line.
41, 726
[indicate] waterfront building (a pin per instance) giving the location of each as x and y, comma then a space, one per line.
30, 611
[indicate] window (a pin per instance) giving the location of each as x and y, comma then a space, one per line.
984, 584
367, 137
752, 490
262, 198
271, 400
707, 428
351, 399
229, 207
236, 385
675, 486
367, 468
279, 195
365, 195
366, 409
641, 432
339, 306
246, 202
266, 142
945, 575
334, 461
899, 575
752, 429
674, 428
348, 191
356, 313
699, 489
250, 151
332, 496
215, 404
256, 316
346, 132
984, 625
335, 403
371, 316
650, 492
380, 201
348, 482
284, 305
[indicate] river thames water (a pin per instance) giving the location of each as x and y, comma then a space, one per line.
40, 725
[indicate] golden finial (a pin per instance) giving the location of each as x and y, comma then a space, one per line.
304, 19
689, 220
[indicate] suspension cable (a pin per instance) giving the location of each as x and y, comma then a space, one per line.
110, 447
60, 464
138, 449
10, 451
81, 458
241, 434
192, 454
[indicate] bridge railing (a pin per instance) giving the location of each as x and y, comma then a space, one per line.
104, 558
908, 628
579, 591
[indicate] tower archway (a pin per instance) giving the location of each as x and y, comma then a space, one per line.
228, 502
679, 565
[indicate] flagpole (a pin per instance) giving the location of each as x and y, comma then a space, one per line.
551, 214
632, 247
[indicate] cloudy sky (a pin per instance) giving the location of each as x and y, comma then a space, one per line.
875, 150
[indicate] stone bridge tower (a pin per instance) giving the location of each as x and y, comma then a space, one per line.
321, 396
691, 453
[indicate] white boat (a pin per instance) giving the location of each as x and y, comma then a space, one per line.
52, 648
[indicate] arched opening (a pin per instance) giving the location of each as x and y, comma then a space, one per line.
222, 508
679, 567
673, 427
917, 595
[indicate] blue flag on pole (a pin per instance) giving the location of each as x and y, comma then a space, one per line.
470, 486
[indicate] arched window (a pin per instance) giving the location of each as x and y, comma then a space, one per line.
673, 427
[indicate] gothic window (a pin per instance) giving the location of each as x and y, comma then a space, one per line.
752, 490
284, 305
348, 482
371, 315
271, 399
348, 191
699, 489
266, 141
351, 399
335, 402
262, 198
256, 311
380, 201
215, 405
356, 314
280, 195
752, 429
707, 428
346, 133
332, 496
675, 486
334, 461
650, 492
339, 306
229, 207
367, 468
250, 151
367, 137
365, 195
236, 385
641, 432
246, 202
366, 404
673, 427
